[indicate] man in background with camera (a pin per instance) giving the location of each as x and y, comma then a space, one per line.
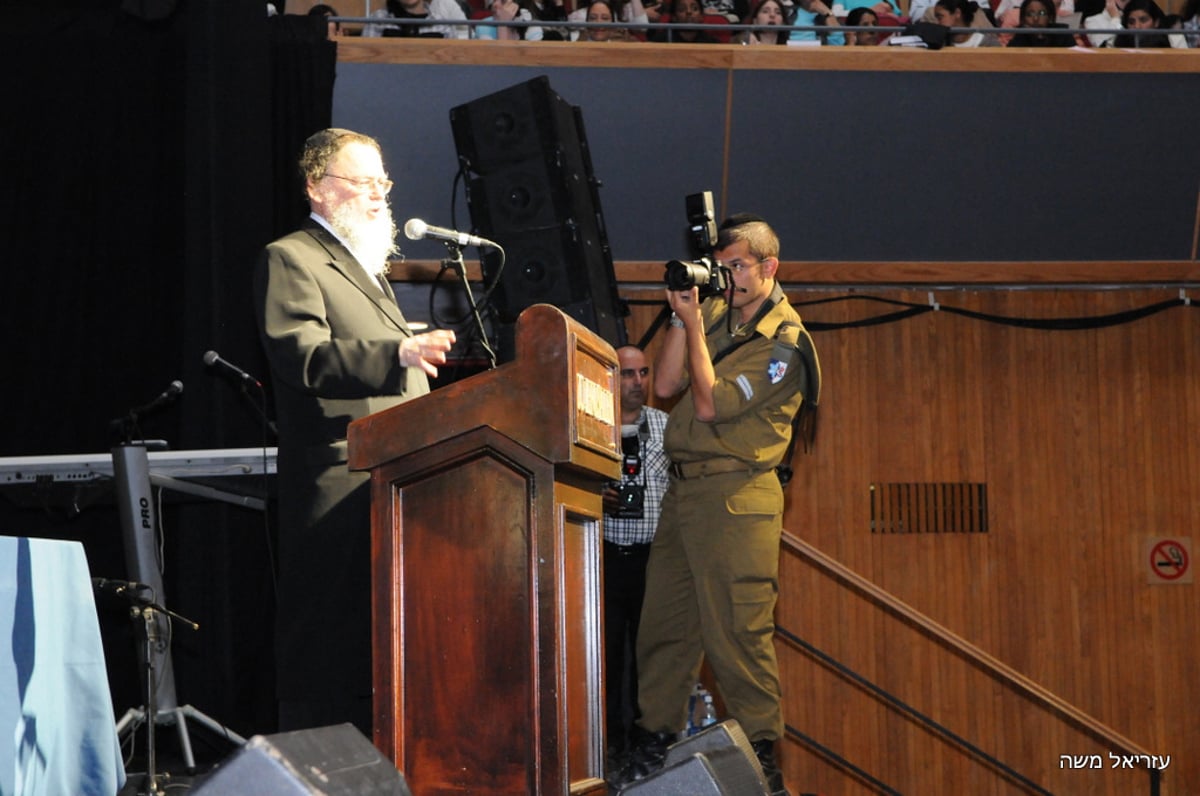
631, 508
745, 364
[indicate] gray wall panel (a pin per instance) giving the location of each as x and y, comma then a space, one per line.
848, 165
969, 166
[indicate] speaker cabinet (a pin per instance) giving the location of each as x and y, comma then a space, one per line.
330, 761
718, 761
512, 125
534, 193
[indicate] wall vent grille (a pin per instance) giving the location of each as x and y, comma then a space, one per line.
929, 508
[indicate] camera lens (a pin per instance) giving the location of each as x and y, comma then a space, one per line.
685, 276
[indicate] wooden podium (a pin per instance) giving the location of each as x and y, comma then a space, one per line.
486, 547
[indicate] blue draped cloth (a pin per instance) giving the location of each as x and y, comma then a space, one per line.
58, 734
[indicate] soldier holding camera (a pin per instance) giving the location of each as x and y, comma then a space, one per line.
747, 364
631, 508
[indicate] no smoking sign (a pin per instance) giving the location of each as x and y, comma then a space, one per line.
1169, 560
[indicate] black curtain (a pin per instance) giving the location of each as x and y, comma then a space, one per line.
150, 153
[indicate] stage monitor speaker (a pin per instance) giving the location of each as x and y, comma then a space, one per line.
512, 125
331, 761
718, 761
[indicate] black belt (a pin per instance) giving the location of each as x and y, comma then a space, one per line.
627, 549
686, 470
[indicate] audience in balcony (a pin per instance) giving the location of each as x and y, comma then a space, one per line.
416, 10
1035, 17
962, 14
1037, 20
814, 13
766, 12
861, 18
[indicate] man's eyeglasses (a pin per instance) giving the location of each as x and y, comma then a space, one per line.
738, 266
366, 183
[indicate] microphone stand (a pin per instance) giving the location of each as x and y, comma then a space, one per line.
148, 610
454, 261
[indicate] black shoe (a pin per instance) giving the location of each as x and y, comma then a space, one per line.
647, 751
764, 750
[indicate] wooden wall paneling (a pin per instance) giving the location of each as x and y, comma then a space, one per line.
1083, 439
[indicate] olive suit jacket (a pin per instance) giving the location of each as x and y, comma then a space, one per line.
332, 335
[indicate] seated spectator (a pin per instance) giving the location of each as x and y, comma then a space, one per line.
1145, 15
732, 10
1108, 18
960, 14
862, 17
548, 11
922, 11
1008, 15
601, 11
685, 20
1036, 19
882, 8
322, 10
1191, 22
524, 11
631, 11
418, 9
766, 12
814, 13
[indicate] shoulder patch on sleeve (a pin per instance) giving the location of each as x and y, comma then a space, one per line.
786, 338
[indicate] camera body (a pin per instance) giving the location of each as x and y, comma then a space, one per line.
631, 501
703, 272
631, 495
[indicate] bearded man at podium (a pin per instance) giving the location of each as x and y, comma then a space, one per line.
339, 349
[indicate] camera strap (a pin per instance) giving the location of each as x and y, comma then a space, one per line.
804, 423
752, 325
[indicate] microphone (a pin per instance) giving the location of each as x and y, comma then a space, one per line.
130, 590
213, 358
119, 587
170, 394
415, 229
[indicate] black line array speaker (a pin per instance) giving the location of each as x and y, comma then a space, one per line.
533, 191
718, 761
330, 761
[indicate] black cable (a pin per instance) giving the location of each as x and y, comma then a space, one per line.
1049, 324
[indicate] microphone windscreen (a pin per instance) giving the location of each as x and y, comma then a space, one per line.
414, 229
210, 357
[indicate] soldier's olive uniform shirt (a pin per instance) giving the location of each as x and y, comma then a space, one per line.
757, 393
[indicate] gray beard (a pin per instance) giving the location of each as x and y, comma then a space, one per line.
371, 242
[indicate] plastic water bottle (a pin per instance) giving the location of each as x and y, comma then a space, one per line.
708, 713
701, 712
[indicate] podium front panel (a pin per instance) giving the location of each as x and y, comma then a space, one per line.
486, 621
